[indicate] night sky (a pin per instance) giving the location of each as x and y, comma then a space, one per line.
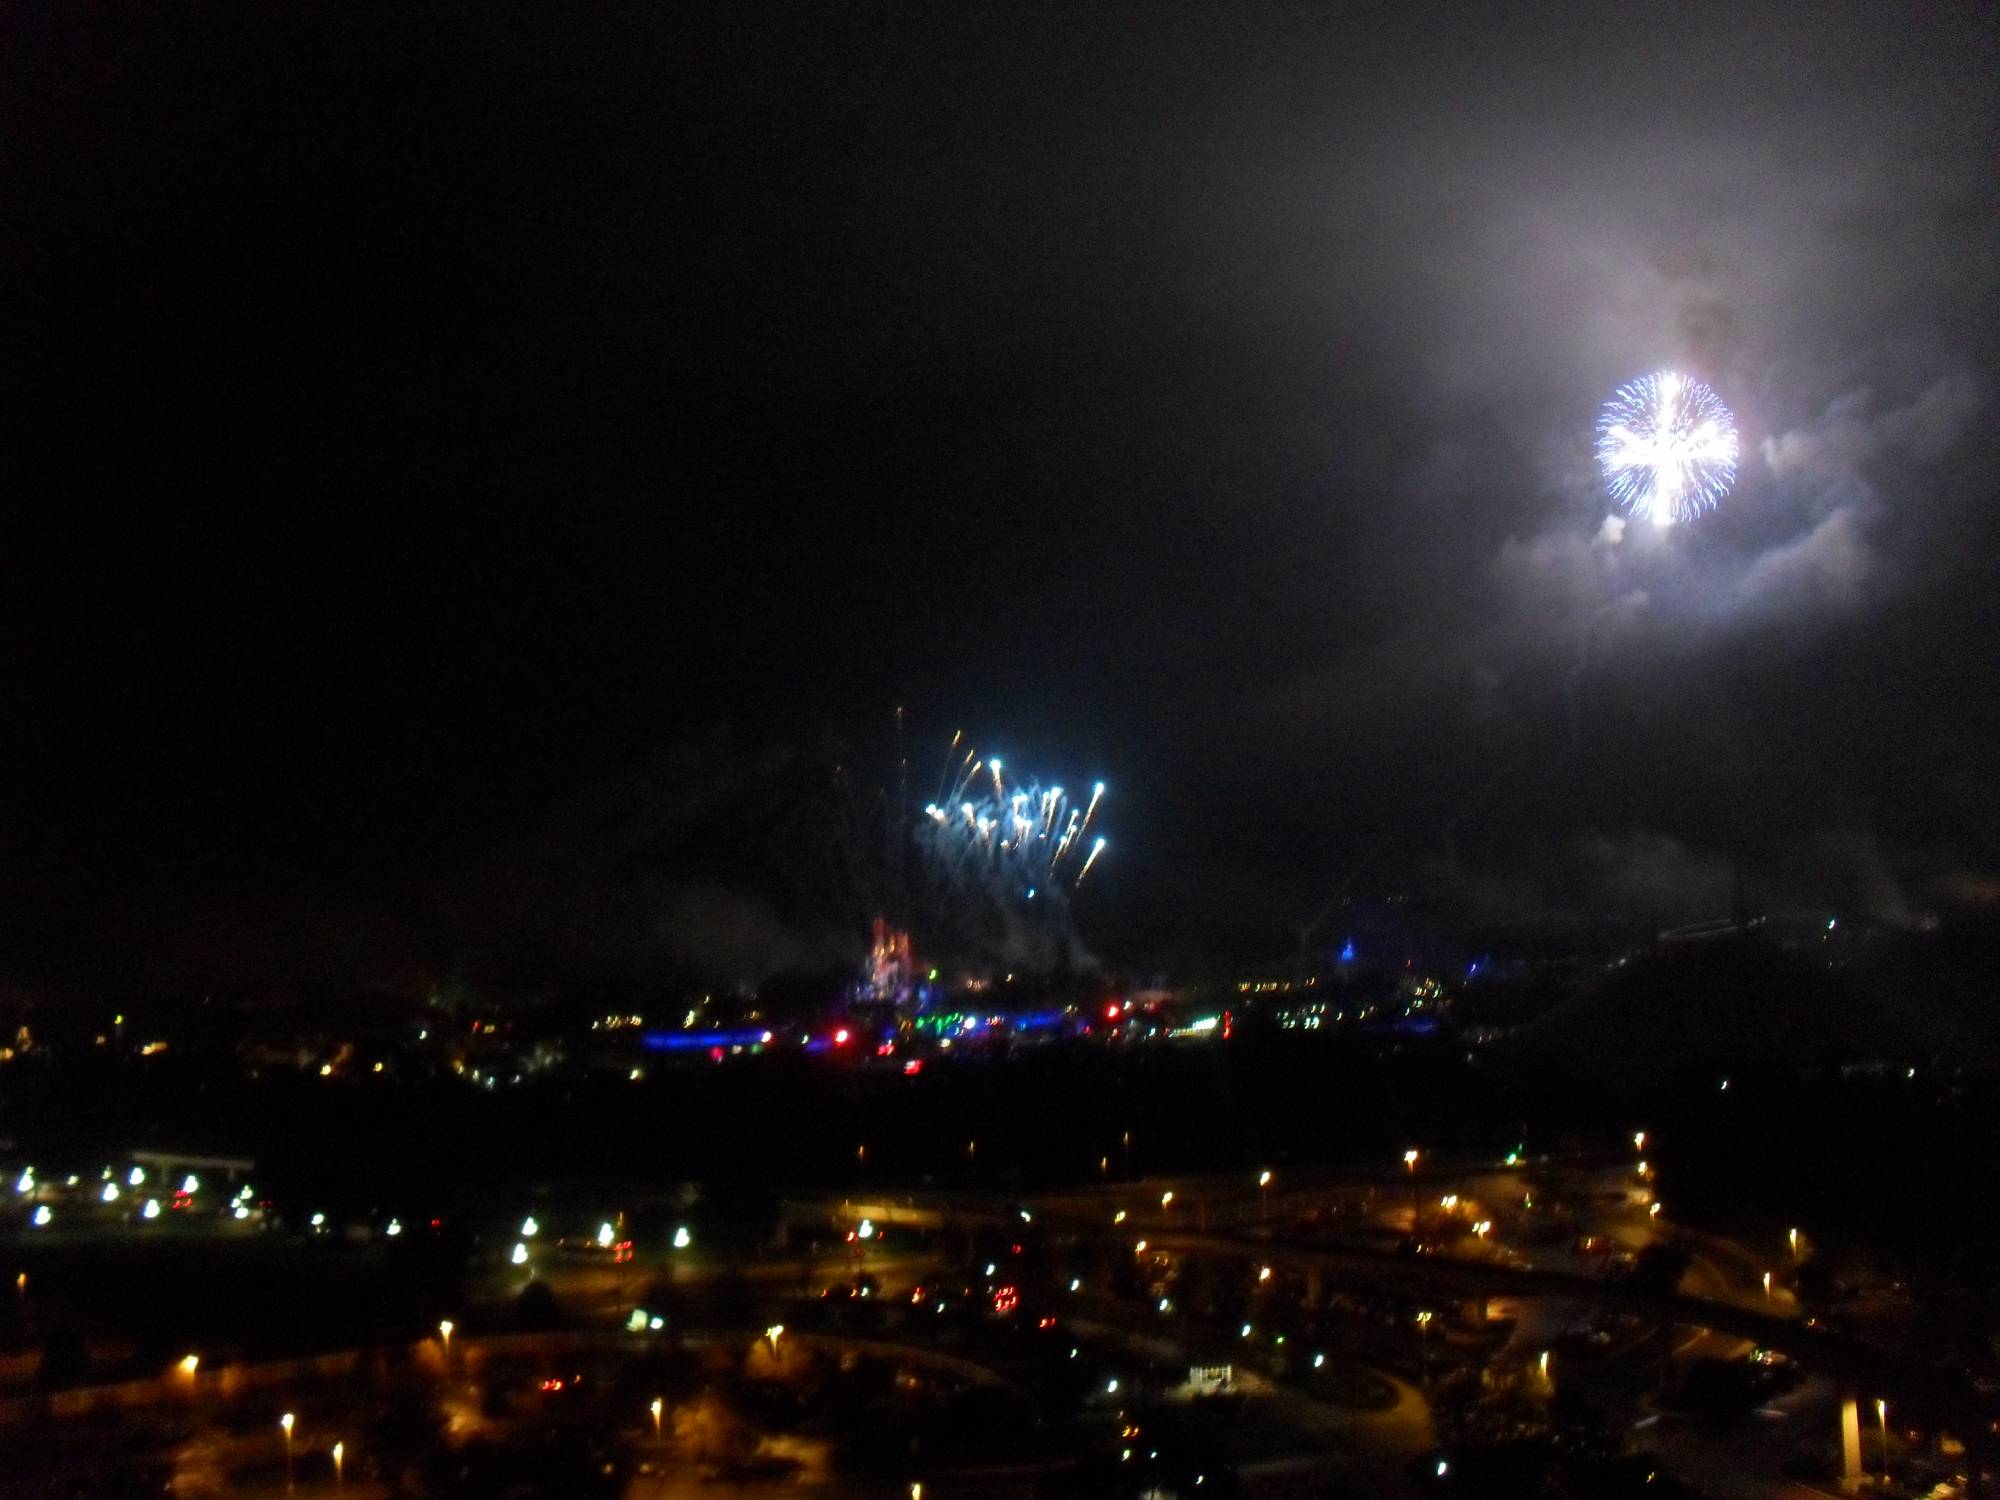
465, 467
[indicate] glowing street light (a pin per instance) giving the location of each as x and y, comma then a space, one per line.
1638, 1140
188, 1364
530, 1227
1882, 1416
772, 1334
286, 1422
1793, 1236
1167, 1199
1410, 1159
1767, 1283
866, 1229
682, 1239
657, 1409
605, 1235
445, 1327
519, 1255
339, 1474
1264, 1194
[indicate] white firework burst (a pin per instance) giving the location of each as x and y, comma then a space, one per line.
1667, 445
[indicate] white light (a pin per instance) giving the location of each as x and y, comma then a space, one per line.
529, 1228
239, 1212
42, 1216
1319, 1361
519, 1254
1075, 1284
605, 1235
682, 1239
151, 1210
136, 1176
656, 1324
319, 1221
395, 1227
110, 1193
867, 1230
25, 1183
990, 1268
636, 1323
1244, 1332
1111, 1386
190, 1184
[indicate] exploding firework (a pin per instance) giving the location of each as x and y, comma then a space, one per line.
985, 874
1667, 445
999, 858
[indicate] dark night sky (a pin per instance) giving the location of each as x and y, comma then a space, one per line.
433, 437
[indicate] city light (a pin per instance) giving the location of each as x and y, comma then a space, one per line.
135, 1177
866, 1229
151, 1210
43, 1216
1410, 1160
605, 1235
530, 1228
445, 1327
772, 1334
189, 1363
682, 1239
519, 1255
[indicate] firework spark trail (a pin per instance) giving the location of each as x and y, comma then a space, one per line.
1095, 850
1667, 446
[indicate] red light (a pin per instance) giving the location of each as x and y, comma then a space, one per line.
840, 1037
621, 1252
1110, 1012
887, 1049
1046, 1323
552, 1385
913, 1067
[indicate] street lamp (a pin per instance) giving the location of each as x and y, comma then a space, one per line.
1410, 1159
286, 1422
1166, 1200
775, 1332
1767, 1283
1264, 1194
657, 1408
1793, 1236
339, 1474
445, 1327
1882, 1416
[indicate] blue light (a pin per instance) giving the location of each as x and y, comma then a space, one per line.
1347, 952
693, 1041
